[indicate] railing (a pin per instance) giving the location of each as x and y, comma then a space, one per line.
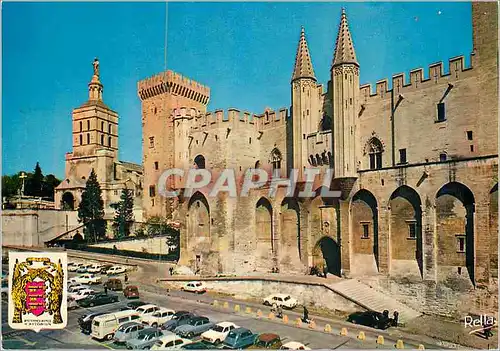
174, 256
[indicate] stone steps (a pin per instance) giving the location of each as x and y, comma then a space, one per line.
373, 299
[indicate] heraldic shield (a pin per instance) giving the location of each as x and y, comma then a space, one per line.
37, 290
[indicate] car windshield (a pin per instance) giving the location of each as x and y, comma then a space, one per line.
218, 328
143, 336
122, 328
232, 334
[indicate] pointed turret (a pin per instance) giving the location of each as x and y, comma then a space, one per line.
303, 65
344, 48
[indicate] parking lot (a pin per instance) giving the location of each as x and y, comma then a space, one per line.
71, 337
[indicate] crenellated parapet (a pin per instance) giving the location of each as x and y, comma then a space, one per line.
169, 82
456, 66
230, 118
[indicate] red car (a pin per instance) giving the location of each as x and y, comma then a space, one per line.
131, 292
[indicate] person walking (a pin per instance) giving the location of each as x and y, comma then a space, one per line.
106, 289
126, 278
395, 318
279, 311
305, 319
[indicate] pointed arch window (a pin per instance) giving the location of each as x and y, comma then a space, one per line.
276, 159
375, 153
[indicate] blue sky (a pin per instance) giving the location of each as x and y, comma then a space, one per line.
244, 51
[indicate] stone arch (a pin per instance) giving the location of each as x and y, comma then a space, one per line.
68, 201
264, 229
291, 242
318, 160
406, 243
200, 162
327, 251
312, 160
198, 230
493, 226
455, 231
365, 236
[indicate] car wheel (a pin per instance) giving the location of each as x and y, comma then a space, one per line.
109, 336
154, 325
91, 304
190, 335
266, 303
146, 348
217, 342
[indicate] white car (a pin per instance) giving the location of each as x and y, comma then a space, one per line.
158, 317
74, 267
95, 268
283, 300
82, 294
87, 279
116, 270
196, 287
146, 310
75, 289
170, 342
218, 333
294, 345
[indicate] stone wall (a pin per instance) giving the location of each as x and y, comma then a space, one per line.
156, 245
33, 228
311, 295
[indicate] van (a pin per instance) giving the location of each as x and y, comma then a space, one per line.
104, 327
114, 284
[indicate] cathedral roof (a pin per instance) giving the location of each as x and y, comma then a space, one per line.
344, 48
303, 65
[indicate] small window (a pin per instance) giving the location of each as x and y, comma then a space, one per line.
441, 112
151, 141
152, 192
80, 126
469, 135
366, 230
88, 138
350, 101
156, 110
472, 148
308, 112
249, 140
412, 230
102, 139
102, 126
442, 157
156, 165
460, 243
109, 128
88, 125
402, 156
109, 141
81, 139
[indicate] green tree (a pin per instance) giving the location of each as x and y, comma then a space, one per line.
91, 210
34, 186
50, 182
124, 216
11, 185
158, 226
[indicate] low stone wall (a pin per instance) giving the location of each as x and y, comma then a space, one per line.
439, 298
157, 245
312, 295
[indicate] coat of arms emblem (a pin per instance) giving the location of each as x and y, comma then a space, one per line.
37, 289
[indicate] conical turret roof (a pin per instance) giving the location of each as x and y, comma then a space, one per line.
344, 48
303, 65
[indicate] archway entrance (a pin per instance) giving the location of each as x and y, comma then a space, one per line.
455, 230
264, 230
327, 251
198, 234
290, 231
68, 201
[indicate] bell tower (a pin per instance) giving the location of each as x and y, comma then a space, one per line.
345, 89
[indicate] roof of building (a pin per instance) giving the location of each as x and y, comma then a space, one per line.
130, 165
303, 65
344, 48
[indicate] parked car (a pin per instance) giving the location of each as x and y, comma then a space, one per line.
115, 270
105, 326
104, 268
146, 310
75, 288
200, 345
159, 317
83, 268
267, 341
85, 321
145, 339
72, 303
114, 284
195, 287
371, 319
82, 294
74, 267
218, 332
97, 299
294, 345
179, 318
131, 292
134, 304
239, 338
283, 300
95, 268
170, 341
88, 279
127, 331
195, 326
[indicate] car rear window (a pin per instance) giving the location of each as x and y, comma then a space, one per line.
96, 323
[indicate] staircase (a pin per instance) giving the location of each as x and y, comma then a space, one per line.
373, 299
